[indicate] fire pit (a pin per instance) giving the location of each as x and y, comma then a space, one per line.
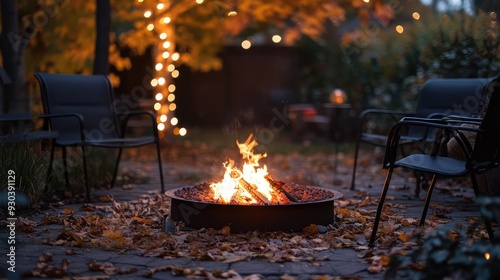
250, 199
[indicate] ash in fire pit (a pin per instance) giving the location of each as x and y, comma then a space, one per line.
250, 199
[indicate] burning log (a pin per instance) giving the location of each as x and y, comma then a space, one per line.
249, 188
278, 188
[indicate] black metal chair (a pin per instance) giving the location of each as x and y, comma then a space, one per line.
81, 109
438, 97
480, 156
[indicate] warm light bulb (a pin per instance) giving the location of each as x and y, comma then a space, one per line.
161, 126
171, 97
175, 56
199, 1
232, 13
246, 44
166, 44
157, 106
159, 66
175, 74
170, 67
172, 107
163, 118
154, 82
166, 20
160, 6
163, 36
400, 29
487, 256
276, 38
161, 81
171, 88
159, 96
150, 27
174, 121
147, 14
416, 16
182, 131
165, 55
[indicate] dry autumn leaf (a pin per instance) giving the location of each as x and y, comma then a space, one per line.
106, 198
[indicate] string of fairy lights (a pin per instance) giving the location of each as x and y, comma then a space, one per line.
165, 58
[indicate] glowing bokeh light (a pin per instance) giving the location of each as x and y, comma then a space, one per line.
246, 44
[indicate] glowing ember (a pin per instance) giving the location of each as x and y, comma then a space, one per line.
236, 182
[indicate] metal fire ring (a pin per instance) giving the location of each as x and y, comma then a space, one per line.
243, 218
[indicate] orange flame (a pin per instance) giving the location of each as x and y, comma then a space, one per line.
230, 186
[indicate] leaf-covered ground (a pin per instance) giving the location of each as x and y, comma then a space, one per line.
139, 224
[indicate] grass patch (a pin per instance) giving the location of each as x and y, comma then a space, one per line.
29, 163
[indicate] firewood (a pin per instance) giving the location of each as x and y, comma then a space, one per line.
278, 188
249, 188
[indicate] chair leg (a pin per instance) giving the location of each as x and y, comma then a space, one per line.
115, 172
356, 151
49, 171
380, 207
160, 166
418, 183
87, 188
428, 199
65, 164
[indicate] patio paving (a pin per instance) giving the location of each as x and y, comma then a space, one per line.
344, 263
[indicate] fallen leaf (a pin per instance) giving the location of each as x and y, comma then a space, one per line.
106, 198
225, 230
366, 201
310, 229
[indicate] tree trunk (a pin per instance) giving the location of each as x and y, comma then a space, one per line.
103, 27
12, 49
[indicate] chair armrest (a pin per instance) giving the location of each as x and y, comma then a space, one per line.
15, 117
462, 119
79, 117
395, 134
372, 114
399, 114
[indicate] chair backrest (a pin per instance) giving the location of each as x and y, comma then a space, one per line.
487, 144
464, 97
91, 96
440, 97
